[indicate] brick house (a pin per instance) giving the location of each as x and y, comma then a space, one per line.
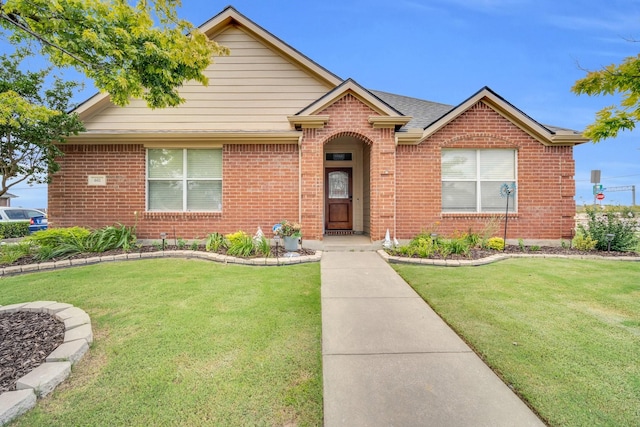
277, 136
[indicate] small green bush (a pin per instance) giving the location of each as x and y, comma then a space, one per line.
459, 246
101, 240
11, 230
496, 243
240, 244
584, 243
622, 224
13, 252
214, 242
52, 237
111, 237
263, 246
424, 245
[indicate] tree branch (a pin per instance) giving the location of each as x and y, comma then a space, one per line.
25, 28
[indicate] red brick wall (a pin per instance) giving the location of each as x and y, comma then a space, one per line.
261, 182
545, 180
260, 188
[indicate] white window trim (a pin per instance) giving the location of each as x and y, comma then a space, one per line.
512, 209
184, 180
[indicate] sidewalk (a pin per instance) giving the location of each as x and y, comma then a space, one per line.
389, 360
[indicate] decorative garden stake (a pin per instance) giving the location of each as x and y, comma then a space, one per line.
507, 191
259, 235
387, 241
276, 238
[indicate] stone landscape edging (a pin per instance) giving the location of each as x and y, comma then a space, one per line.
43, 379
493, 258
210, 256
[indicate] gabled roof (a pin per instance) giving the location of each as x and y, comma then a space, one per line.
413, 119
425, 113
387, 116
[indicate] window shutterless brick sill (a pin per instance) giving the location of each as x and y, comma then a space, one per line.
475, 215
181, 215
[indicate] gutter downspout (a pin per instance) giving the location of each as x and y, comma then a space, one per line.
300, 179
395, 187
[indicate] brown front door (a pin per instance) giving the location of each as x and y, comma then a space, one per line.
338, 199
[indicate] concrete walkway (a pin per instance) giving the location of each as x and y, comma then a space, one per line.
389, 360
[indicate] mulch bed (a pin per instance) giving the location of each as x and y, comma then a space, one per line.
26, 339
475, 254
144, 249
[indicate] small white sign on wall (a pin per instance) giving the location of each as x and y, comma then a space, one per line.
97, 180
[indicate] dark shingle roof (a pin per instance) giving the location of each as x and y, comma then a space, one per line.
423, 112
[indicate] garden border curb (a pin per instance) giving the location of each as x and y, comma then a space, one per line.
43, 379
210, 256
493, 258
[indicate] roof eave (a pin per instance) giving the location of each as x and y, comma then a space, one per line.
219, 137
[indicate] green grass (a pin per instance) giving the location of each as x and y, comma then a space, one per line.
564, 333
186, 342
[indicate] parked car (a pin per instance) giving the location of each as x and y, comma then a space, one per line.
37, 219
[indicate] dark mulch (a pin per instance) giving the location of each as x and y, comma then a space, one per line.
26, 339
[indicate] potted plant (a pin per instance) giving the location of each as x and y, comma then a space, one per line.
290, 232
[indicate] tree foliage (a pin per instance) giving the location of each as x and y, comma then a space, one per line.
137, 49
33, 119
623, 79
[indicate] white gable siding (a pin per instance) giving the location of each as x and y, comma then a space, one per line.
252, 89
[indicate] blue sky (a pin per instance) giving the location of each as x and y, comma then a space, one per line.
528, 51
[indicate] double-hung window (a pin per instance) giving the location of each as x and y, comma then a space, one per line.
184, 180
472, 180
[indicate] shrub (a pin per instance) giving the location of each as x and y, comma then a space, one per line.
52, 237
584, 243
425, 246
422, 245
214, 242
240, 244
112, 237
496, 243
263, 246
459, 246
622, 227
10, 230
101, 240
13, 252
474, 239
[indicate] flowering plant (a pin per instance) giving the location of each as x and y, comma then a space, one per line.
288, 228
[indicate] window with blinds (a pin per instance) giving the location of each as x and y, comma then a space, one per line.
184, 180
471, 179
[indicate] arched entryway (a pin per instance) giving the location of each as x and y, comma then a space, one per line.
347, 186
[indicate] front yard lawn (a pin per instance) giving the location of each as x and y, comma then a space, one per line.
186, 342
565, 334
